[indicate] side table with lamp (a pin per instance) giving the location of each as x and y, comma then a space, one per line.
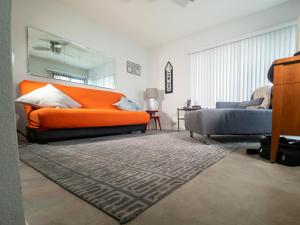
151, 96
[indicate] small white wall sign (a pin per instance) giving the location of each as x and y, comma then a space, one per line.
134, 68
169, 78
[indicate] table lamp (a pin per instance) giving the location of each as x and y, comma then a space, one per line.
151, 95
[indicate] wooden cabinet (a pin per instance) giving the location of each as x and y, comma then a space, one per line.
286, 101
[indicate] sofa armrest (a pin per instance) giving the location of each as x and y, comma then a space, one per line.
224, 105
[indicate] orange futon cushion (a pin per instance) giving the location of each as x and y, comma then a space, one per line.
52, 118
97, 109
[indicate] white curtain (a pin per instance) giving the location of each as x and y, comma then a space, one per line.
231, 72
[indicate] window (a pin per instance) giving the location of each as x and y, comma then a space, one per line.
102, 81
231, 72
67, 77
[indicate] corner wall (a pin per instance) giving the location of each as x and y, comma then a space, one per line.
58, 18
11, 209
178, 53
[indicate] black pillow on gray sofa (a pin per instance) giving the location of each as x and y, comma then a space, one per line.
246, 104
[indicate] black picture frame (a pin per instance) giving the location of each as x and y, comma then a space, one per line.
169, 78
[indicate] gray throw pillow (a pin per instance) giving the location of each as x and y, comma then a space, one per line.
246, 104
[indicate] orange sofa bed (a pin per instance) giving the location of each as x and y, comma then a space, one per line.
97, 116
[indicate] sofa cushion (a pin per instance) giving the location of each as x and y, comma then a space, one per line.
53, 118
87, 97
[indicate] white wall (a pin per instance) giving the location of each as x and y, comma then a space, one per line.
11, 209
55, 17
178, 52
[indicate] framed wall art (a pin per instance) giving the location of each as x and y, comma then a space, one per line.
134, 68
169, 78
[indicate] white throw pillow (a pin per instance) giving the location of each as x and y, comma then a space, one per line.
48, 97
264, 92
127, 105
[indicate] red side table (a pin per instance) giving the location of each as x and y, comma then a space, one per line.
154, 116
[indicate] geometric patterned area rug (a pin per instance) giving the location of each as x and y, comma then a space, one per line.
124, 175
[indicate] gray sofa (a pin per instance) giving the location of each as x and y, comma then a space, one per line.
227, 119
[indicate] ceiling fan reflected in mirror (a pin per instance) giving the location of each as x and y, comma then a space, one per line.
55, 46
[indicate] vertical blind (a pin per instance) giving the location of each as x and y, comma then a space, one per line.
231, 72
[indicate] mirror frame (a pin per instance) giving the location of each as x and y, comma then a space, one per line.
88, 85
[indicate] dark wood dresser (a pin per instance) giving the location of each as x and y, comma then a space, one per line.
286, 100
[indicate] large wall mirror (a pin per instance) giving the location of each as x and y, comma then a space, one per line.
58, 58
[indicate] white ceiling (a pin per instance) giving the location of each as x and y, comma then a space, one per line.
154, 22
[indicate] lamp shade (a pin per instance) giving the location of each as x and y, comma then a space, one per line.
151, 93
